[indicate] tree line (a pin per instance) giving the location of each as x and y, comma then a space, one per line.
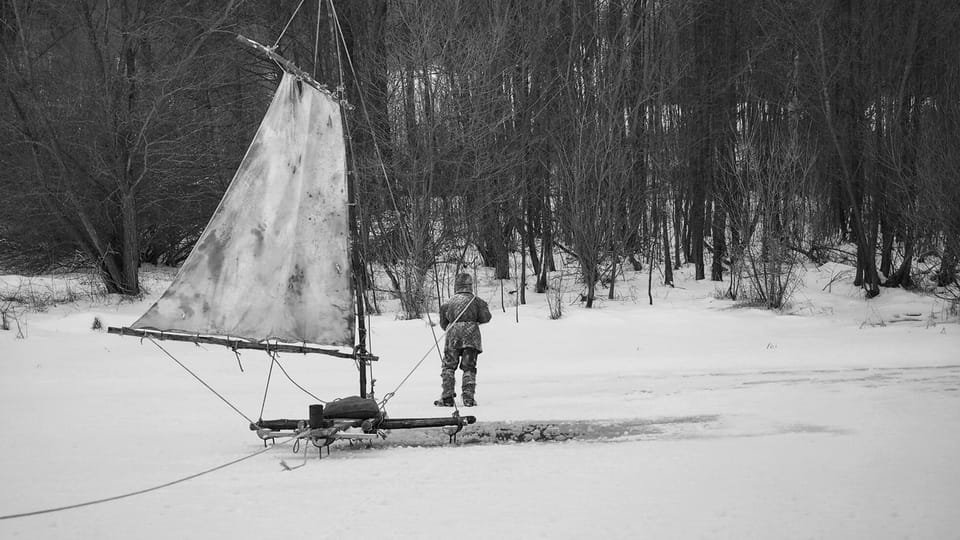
739, 136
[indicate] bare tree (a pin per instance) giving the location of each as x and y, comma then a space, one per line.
100, 93
771, 176
442, 172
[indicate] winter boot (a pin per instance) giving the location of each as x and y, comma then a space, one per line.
469, 402
445, 402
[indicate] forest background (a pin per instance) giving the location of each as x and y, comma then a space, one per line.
743, 137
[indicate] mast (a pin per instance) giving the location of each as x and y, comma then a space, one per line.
358, 274
359, 283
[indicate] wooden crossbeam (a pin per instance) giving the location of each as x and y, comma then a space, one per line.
286, 64
236, 343
386, 423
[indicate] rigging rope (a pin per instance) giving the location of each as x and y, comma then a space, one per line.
373, 135
436, 341
336, 20
147, 490
288, 24
273, 360
316, 40
304, 390
436, 344
195, 376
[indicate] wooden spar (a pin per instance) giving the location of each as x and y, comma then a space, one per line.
236, 343
413, 423
286, 64
386, 423
358, 281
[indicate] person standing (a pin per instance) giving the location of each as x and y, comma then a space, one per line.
461, 317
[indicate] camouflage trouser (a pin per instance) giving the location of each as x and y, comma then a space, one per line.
465, 359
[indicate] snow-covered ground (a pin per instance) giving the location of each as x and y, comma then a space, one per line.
837, 419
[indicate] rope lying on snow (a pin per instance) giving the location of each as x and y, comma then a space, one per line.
147, 490
185, 478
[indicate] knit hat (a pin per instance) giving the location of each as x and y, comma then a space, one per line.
463, 283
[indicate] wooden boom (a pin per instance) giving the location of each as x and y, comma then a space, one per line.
237, 343
286, 64
386, 423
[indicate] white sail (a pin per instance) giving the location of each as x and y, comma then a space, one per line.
274, 263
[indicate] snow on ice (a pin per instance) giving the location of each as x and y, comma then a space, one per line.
838, 418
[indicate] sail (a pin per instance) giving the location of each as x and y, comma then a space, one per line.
274, 263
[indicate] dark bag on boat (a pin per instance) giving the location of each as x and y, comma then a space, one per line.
353, 407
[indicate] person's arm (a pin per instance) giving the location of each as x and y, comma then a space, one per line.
483, 312
443, 317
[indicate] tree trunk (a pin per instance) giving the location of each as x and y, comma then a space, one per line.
590, 273
677, 234
696, 220
667, 265
850, 166
901, 278
613, 276
547, 263
530, 240
719, 244
130, 258
886, 248
947, 275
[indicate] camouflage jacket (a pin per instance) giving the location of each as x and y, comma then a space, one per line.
465, 332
